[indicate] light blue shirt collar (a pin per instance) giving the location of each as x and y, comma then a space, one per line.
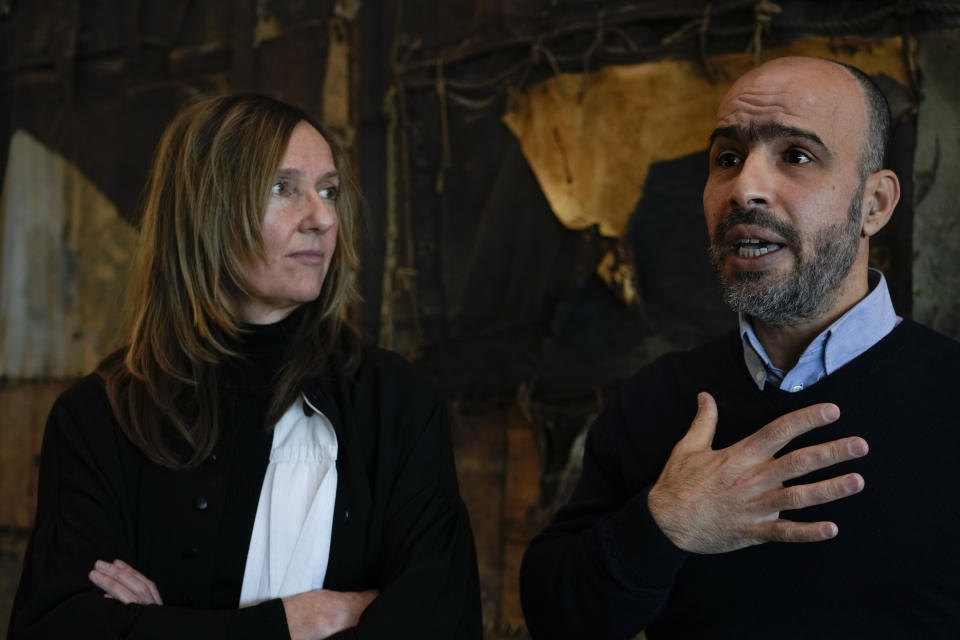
850, 335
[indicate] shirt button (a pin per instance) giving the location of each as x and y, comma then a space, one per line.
201, 503
190, 553
797, 387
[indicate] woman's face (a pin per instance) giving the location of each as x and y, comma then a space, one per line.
299, 231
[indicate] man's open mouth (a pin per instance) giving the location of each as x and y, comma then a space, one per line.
754, 247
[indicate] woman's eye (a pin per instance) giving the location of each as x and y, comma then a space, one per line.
280, 188
328, 193
796, 156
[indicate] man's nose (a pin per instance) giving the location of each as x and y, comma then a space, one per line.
754, 184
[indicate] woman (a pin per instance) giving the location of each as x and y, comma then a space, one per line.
245, 467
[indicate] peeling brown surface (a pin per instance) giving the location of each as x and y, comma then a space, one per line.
591, 139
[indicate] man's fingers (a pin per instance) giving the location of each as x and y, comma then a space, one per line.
775, 435
802, 461
704, 425
788, 531
807, 495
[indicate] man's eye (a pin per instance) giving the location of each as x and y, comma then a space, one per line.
728, 159
329, 193
796, 156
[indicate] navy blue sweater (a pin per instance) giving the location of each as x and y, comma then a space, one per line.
603, 569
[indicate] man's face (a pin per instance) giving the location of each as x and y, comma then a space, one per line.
784, 194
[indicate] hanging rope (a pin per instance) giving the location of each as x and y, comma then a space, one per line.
910, 64
444, 128
714, 20
763, 12
598, 37
539, 49
406, 275
702, 42
386, 335
398, 279
597, 42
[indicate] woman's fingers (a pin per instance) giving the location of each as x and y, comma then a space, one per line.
140, 579
124, 583
113, 588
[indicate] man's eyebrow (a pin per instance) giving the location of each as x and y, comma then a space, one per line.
765, 131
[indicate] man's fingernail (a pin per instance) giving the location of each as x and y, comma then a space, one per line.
857, 447
828, 530
853, 482
830, 412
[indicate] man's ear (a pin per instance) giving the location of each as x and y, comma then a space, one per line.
881, 194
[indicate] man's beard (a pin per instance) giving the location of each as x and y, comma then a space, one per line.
809, 289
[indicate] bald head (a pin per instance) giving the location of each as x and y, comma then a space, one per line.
879, 122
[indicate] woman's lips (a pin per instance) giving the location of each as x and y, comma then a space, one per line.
309, 256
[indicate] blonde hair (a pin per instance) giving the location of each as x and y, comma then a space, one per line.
204, 205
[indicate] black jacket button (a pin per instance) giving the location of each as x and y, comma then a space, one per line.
190, 553
201, 503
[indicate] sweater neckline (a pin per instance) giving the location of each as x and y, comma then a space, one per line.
262, 349
852, 372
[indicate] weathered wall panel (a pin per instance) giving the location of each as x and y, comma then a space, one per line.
23, 413
520, 522
936, 268
479, 441
62, 269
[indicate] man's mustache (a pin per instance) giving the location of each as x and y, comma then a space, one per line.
756, 216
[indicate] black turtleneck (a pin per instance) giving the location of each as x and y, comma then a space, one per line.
262, 349
247, 386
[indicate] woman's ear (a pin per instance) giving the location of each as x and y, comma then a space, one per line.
880, 198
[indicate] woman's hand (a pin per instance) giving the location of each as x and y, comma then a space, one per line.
124, 583
321, 613
310, 616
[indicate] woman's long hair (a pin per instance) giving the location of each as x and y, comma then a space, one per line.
205, 199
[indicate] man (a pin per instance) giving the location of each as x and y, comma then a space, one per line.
697, 534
